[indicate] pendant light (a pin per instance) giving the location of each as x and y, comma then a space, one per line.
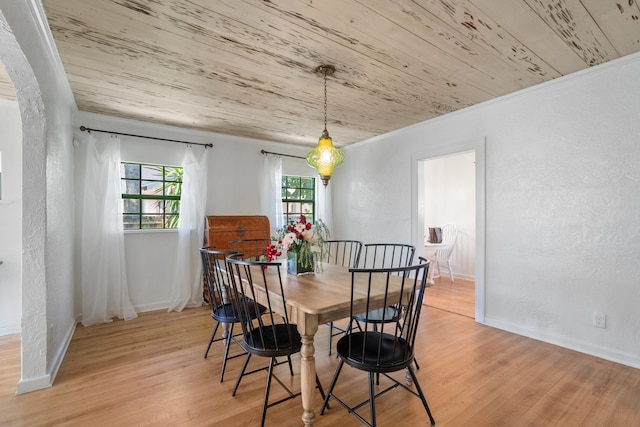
325, 157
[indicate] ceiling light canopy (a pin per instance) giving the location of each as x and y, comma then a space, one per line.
325, 157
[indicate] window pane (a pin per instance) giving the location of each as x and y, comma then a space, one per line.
173, 188
131, 206
307, 208
292, 194
293, 181
172, 173
151, 172
130, 186
294, 208
306, 182
171, 221
151, 187
307, 195
128, 170
130, 222
172, 206
152, 206
151, 221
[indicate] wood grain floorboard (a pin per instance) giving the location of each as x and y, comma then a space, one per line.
150, 372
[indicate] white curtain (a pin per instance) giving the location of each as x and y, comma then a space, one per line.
186, 287
105, 292
324, 206
271, 191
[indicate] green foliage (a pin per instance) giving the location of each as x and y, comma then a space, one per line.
173, 187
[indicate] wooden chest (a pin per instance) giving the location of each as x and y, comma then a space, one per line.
220, 230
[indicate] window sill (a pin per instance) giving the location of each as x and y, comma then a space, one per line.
151, 231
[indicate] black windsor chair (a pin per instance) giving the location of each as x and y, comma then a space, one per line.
222, 310
391, 348
384, 255
345, 253
269, 336
252, 249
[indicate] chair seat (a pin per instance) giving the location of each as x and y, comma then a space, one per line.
381, 315
374, 351
225, 313
273, 341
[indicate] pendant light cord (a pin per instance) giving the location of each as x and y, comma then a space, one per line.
325, 99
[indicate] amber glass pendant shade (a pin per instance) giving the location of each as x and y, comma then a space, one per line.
325, 157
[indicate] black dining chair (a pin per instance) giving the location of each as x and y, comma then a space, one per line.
391, 347
345, 253
222, 309
386, 255
252, 249
383, 255
271, 335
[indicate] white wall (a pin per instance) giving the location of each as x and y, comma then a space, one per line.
46, 105
449, 197
10, 218
234, 188
562, 203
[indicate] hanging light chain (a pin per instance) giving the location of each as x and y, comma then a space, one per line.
325, 97
326, 70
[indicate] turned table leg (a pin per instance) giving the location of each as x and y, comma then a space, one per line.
307, 330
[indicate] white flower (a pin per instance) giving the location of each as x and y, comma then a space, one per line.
287, 240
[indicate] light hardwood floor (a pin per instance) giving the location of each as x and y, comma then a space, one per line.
150, 372
457, 297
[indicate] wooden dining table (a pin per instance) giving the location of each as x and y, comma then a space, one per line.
317, 298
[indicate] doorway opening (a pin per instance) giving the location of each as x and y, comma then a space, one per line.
449, 187
449, 199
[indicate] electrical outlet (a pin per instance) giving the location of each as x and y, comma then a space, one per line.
599, 320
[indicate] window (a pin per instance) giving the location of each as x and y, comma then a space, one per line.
150, 195
298, 197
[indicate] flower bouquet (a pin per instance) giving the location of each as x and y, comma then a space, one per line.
298, 241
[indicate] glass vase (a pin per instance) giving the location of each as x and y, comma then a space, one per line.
295, 267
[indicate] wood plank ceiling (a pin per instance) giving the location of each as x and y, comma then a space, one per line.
246, 67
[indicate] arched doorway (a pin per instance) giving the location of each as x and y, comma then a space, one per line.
33, 269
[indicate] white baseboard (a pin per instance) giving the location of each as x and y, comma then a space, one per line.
632, 360
62, 350
467, 277
10, 330
33, 384
151, 306
26, 385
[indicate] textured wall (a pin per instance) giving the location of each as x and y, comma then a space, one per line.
562, 203
46, 107
10, 218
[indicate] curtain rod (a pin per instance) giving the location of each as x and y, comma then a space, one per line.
86, 129
285, 155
